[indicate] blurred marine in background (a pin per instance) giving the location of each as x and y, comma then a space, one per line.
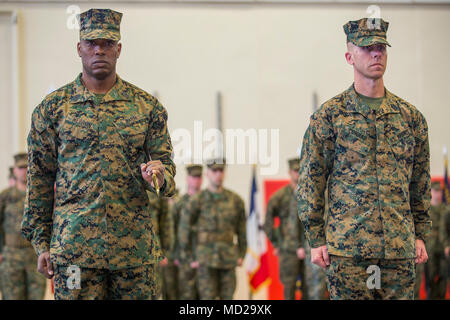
19, 277
187, 275
287, 239
209, 223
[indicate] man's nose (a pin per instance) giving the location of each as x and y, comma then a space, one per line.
99, 50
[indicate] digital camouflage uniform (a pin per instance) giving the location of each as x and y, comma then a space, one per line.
376, 167
20, 279
164, 229
207, 228
436, 267
187, 276
92, 150
287, 238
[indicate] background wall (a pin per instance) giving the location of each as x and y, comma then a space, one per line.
265, 59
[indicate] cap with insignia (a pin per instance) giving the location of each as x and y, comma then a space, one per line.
21, 160
436, 185
194, 170
294, 164
367, 31
218, 163
100, 24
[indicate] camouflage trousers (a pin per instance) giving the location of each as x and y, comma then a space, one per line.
420, 272
315, 278
290, 269
20, 279
187, 284
170, 282
216, 283
349, 279
101, 284
435, 273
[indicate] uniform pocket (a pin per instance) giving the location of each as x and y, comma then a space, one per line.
133, 131
78, 129
352, 150
402, 146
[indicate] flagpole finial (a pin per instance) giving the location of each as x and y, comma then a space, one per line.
444, 150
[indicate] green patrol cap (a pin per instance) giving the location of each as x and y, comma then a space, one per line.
100, 24
366, 31
218, 163
436, 185
294, 164
21, 160
194, 170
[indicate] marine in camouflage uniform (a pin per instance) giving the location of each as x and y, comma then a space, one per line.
187, 276
372, 154
168, 266
11, 178
164, 230
11, 183
435, 269
288, 238
208, 226
94, 145
20, 280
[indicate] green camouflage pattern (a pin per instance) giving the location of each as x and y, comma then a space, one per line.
21, 160
289, 236
12, 202
208, 225
187, 282
101, 284
216, 283
19, 277
314, 277
347, 279
92, 154
366, 32
376, 166
436, 266
163, 223
187, 276
176, 212
100, 24
170, 281
290, 268
218, 163
294, 164
159, 208
437, 239
195, 170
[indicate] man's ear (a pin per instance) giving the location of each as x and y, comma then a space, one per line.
79, 49
349, 53
119, 49
349, 57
